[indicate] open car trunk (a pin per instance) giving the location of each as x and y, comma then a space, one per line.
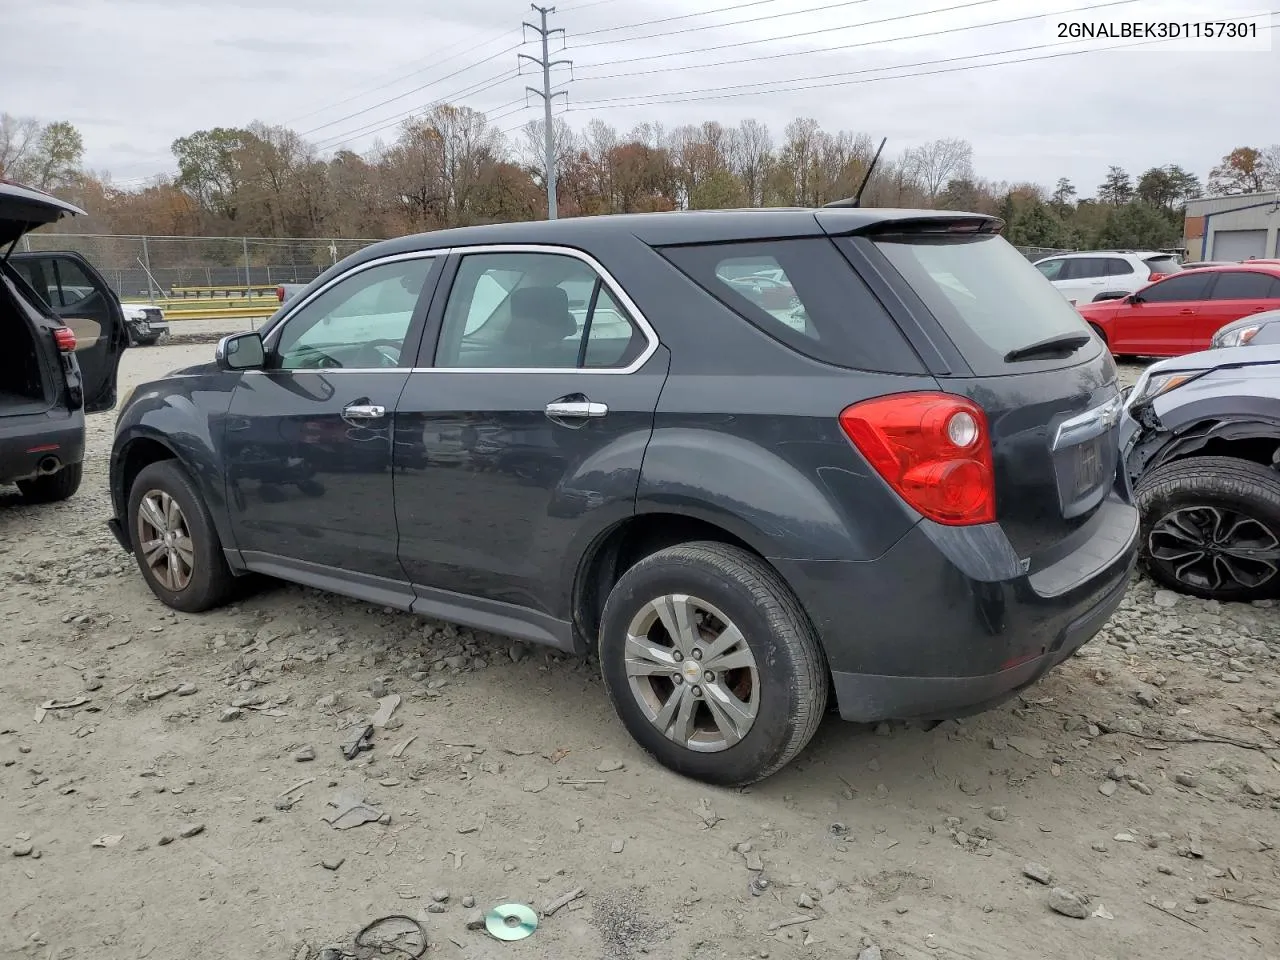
26, 385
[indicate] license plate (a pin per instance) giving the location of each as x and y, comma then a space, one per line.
1088, 467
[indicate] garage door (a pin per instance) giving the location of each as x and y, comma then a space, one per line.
1238, 244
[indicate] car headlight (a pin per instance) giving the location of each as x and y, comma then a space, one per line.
1149, 387
1238, 337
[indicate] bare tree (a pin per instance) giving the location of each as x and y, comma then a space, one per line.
750, 152
936, 162
531, 150
18, 139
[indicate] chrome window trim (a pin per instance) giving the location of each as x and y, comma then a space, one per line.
268, 342
615, 288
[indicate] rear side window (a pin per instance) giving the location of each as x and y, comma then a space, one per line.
1243, 285
805, 294
1052, 269
985, 294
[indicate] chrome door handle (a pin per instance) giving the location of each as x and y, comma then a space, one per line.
576, 409
363, 411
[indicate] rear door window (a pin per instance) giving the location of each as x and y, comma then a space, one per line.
984, 293
1086, 268
804, 293
1243, 285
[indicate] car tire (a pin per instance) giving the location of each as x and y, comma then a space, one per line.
776, 687
53, 487
193, 579
1229, 504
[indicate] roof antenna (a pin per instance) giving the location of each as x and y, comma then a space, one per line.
856, 199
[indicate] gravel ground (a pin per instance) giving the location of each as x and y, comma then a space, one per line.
1126, 806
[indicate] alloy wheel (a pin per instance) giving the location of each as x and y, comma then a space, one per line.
1212, 548
692, 673
164, 541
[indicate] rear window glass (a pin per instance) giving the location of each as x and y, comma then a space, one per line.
1164, 265
805, 294
984, 293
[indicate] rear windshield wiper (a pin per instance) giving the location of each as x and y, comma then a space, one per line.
1063, 343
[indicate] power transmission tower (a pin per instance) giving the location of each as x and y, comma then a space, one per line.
546, 63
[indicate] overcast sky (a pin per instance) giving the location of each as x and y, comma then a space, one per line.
135, 74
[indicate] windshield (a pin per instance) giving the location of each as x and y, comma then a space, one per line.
985, 294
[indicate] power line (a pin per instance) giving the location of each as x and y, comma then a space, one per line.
545, 33
683, 16
413, 73
804, 33
682, 98
407, 93
385, 123
846, 46
824, 8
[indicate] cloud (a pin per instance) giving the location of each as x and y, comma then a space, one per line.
143, 72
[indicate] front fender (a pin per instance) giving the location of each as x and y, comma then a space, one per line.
810, 499
187, 416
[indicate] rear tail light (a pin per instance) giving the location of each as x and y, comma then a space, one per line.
933, 449
65, 338
1156, 276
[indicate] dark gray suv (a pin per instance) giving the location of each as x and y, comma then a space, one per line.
750, 458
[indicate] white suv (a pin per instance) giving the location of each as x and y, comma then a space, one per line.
1105, 274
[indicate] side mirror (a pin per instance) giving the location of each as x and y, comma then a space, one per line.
240, 351
1132, 299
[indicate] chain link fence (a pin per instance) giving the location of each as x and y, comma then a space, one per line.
151, 268
1039, 253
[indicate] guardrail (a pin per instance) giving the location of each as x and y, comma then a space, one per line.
214, 309
249, 292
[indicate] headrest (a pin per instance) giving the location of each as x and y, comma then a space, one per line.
540, 315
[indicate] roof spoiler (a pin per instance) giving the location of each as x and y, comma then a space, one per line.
856, 199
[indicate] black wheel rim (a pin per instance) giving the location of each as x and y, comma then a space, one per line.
1213, 548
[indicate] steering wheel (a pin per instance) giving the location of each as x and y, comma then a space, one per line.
379, 353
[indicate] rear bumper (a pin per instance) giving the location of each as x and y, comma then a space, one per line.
27, 441
949, 622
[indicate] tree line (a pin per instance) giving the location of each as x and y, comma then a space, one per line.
452, 167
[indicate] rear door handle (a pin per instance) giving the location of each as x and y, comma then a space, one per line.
1186, 312
363, 411
575, 409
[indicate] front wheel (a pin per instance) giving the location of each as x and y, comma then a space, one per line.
174, 540
711, 664
1211, 527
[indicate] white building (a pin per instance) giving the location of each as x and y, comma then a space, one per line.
1233, 228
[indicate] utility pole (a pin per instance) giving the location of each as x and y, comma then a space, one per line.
546, 63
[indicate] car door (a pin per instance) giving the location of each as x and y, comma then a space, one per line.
1083, 278
520, 434
1119, 279
309, 437
1236, 294
1161, 320
81, 298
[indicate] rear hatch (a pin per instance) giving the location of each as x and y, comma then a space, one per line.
22, 209
1009, 342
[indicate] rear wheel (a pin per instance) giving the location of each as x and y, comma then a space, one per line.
53, 487
1211, 527
174, 540
711, 664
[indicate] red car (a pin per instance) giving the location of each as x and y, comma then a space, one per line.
1181, 313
